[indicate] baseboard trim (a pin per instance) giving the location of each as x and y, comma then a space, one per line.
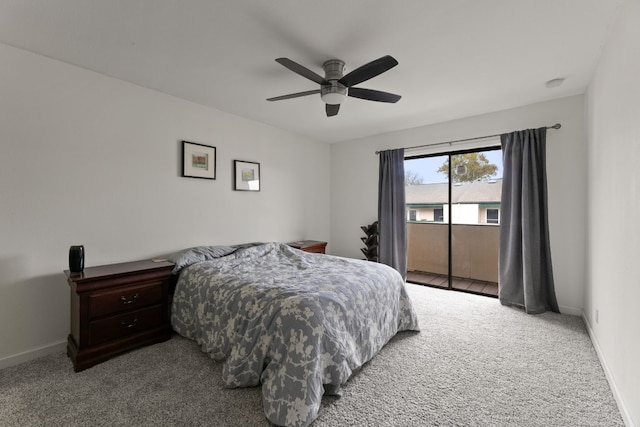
626, 417
35, 353
570, 310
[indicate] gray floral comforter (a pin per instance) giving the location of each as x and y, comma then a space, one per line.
297, 323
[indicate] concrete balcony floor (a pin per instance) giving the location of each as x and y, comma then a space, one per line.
458, 283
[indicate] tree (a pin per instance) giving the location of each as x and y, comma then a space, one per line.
469, 167
412, 178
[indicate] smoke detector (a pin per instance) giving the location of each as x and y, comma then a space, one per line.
554, 82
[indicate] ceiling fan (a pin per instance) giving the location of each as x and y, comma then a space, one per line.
335, 87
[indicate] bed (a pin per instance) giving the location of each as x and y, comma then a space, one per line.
296, 323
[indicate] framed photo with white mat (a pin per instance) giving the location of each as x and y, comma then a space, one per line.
198, 160
247, 176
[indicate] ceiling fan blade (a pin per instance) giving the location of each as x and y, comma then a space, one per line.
303, 71
294, 95
373, 95
332, 109
368, 71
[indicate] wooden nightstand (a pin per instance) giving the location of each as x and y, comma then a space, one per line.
313, 246
116, 308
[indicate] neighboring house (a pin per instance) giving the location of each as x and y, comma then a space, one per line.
475, 202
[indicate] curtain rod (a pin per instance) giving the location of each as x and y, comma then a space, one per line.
556, 126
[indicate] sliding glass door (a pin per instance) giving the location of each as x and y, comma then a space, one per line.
453, 216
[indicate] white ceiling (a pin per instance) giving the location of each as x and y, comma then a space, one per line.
456, 58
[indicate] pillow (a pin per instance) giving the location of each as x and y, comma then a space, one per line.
186, 257
247, 245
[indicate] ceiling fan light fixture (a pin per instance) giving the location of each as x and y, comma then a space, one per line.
334, 94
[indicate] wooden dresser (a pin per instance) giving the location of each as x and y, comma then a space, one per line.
116, 308
313, 246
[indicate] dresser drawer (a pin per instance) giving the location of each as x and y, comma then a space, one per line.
125, 324
116, 308
121, 299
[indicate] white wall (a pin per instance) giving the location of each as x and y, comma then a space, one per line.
465, 213
354, 182
86, 159
613, 287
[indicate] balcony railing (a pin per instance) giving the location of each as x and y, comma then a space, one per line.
474, 253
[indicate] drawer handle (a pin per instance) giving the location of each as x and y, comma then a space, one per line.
129, 325
128, 301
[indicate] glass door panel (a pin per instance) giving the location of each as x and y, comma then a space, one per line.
427, 198
475, 203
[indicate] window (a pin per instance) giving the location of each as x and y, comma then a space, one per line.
438, 214
413, 214
493, 216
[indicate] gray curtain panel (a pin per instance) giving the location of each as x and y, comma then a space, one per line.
392, 231
525, 271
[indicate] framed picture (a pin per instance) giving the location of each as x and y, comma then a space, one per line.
198, 160
247, 176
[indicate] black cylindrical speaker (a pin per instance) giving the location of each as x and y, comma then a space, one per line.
76, 259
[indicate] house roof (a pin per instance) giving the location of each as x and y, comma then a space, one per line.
485, 191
